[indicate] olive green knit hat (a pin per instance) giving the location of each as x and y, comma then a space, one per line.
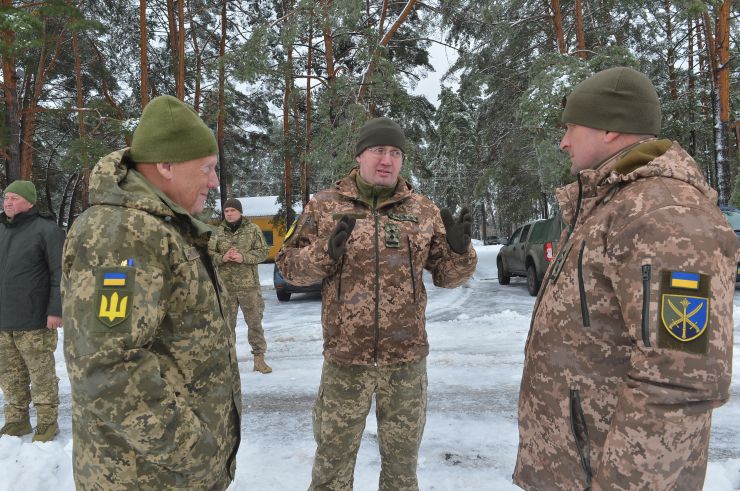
24, 189
171, 131
380, 131
618, 99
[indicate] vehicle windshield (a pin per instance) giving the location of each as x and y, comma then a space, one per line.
733, 216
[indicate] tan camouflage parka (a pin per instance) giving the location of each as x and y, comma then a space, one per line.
151, 361
614, 394
374, 297
250, 242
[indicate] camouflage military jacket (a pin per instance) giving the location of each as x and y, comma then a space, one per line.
248, 240
374, 297
630, 345
151, 360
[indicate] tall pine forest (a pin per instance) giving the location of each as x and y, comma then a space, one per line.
286, 84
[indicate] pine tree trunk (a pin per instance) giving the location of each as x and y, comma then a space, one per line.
10, 92
223, 184
557, 20
144, 49
722, 77
580, 34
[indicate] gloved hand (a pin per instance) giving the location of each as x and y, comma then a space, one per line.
338, 239
458, 231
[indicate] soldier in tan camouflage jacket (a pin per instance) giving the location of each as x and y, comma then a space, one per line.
369, 239
237, 247
630, 345
151, 360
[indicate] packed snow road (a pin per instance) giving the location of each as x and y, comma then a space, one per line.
477, 336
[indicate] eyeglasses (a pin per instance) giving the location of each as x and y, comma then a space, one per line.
379, 152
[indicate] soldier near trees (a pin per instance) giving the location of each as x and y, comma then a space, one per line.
237, 247
150, 355
30, 313
369, 238
630, 345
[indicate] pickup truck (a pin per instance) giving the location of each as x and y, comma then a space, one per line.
528, 252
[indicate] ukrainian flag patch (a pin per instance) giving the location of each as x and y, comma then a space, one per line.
114, 279
682, 279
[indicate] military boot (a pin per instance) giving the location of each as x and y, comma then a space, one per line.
260, 365
45, 432
16, 428
46, 422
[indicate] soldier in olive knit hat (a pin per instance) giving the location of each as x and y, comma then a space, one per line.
142, 311
630, 345
30, 312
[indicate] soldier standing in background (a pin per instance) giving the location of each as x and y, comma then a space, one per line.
237, 247
630, 345
156, 396
369, 238
30, 313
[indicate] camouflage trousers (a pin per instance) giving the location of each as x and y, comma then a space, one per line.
253, 306
339, 415
27, 358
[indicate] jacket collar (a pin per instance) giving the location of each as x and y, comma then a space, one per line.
595, 184
347, 186
115, 182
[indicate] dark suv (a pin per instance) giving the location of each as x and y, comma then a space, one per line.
529, 251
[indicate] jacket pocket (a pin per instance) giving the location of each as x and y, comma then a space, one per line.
582, 289
646, 272
580, 434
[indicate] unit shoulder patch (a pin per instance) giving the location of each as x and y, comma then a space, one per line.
684, 311
114, 294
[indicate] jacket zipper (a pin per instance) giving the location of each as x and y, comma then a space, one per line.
413, 271
377, 281
646, 270
339, 281
582, 288
580, 434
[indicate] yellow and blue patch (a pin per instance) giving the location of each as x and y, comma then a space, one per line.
684, 311
682, 279
114, 279
685, 317
114, 294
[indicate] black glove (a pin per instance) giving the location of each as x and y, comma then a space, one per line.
338, 239
458, 231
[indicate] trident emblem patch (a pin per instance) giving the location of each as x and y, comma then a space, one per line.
684, 317
114, 294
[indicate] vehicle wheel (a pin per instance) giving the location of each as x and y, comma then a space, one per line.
503, 275
533, 284
282, 296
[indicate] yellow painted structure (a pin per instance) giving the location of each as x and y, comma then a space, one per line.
273, 233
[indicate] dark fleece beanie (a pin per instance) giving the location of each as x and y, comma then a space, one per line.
233, 203
617, 99
380, 131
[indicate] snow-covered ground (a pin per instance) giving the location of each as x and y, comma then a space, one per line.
477, 336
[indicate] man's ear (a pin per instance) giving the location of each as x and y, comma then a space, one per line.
165, 170
610, 136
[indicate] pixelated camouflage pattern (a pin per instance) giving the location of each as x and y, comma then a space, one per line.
601, 404
27, 372
253, 306
373, 298
250, 242
339, 418
156, 398
242, 280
